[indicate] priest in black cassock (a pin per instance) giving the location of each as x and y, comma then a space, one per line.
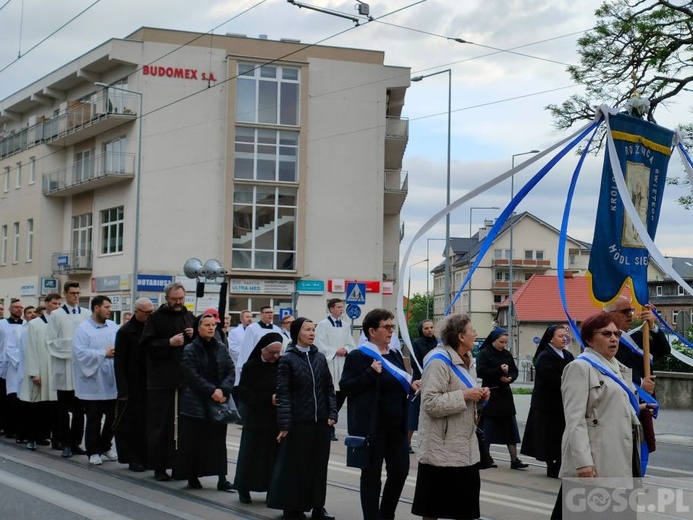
257, 391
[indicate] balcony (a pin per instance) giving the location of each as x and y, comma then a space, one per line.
89, 174
74, 261
396, 189
76, 121
396, 137
502, 286
525, 265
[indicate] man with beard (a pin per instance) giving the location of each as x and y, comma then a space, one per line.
165, 334
61, 329
131, 380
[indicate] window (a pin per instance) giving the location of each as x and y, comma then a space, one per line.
81, 234
114, 156
497, 253
264, 228
32, 170
529, 255
497, 298
674, 317
539, 255
3, 251
15, 251
659, 290
112, 231
267, 94
266, 155
6, 184
680, 291
29, 240
19, 175
507, 254
83, 167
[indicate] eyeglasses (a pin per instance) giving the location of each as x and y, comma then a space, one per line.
388, 327
627, 312
609, 333
470, 331
273, 352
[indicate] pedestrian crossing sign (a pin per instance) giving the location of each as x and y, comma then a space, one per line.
356, 293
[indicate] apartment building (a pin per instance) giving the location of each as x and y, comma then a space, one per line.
281, 160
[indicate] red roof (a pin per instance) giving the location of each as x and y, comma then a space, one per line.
539, 300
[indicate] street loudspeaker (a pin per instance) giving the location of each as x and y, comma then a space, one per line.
193, 268
214, 269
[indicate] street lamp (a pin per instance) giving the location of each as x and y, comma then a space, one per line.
446, 299
409, 286
511, 307
469, 303
138, 182
428, 272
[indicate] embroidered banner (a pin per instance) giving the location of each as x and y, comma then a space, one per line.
619, 255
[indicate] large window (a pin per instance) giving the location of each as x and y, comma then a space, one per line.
267, 94
81, 233
3, 246
83, 167
114, 156
266, 155
112, 231
29, 240
264, 228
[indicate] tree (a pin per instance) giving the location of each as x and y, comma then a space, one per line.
416, 313
638, 48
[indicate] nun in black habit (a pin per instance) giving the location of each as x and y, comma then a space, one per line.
257, 391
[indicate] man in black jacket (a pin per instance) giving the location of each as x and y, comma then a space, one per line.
131, 380
630, 346
167, 331
422, 345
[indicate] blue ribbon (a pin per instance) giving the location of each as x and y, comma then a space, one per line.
644, 451
387, 365
500, 222
442, 357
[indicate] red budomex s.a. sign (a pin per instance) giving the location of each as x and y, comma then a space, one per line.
338, 285
177, 73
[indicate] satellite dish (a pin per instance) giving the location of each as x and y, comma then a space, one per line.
214, 269
193, 268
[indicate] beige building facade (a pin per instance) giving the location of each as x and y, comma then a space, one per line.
281, 160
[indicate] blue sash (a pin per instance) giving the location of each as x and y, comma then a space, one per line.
445, 359
631, 346
400, 375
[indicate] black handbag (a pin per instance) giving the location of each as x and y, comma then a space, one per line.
220, 413
357, 451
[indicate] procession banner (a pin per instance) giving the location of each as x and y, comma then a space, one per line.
619, 256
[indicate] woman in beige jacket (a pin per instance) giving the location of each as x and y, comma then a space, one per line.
448, 447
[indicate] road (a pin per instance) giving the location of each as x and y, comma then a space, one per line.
42, 485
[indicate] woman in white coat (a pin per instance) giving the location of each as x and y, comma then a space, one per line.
602, 434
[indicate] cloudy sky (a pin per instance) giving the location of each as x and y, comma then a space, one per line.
498, 98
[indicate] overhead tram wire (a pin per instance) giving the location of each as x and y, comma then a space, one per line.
50, 35
4, 5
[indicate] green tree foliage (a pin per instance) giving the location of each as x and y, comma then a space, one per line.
671, 364
417, 312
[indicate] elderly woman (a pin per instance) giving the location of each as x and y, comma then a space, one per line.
448, 446
497, 369
602, 433
377, 387
306, 410
208, 374
257, 389
546, 421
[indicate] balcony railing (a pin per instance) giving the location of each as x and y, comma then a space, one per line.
75, 260
111, 165
73, 116
397, 128
396, 180
522, 264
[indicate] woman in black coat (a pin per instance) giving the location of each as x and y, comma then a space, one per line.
257, 391
546, 421
497, 369
306, 411
208, 374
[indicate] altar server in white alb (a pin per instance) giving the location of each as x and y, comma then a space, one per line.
334, 339
93, 348
61, 329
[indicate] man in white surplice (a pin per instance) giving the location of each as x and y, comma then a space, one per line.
335, 340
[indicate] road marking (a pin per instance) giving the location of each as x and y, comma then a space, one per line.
67, 502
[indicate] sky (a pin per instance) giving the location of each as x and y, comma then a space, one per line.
498, 98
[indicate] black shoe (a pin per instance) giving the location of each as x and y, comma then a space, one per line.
322, 514
487, 465
293, 515
31, 446
518, 464
194, 483
78, 451
134, 466
161, 476
333, 437
224, 485
43, 442
67, 452
244, 497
